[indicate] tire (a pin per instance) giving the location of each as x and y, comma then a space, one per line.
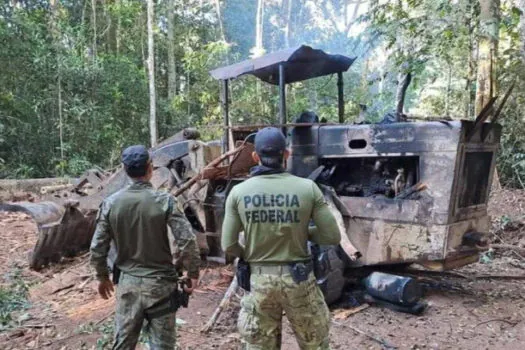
333, 282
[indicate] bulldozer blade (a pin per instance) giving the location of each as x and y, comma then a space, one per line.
43, 213
63, 231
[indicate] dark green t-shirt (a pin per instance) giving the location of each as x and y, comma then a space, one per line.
275, 211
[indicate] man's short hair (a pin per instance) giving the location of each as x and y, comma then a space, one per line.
135, 172
272, 162
136, 160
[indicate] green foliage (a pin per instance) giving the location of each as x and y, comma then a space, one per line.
511, 158
13, 298
436, 41
105, 330
103, 87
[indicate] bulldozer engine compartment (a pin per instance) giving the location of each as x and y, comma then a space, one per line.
383, 177
407, 192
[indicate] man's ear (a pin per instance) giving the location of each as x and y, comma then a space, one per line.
286, 154
256, 158
149, 171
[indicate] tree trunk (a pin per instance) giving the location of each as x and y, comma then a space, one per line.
402, 86
470, 72
287, 32
349, 24
94, 24
258, 50
54, 31
488, 46
60, 117
172, 67
188, 94
119, 24
151, 76
449, 89
142, 49
109, 29
219, 19
521, 5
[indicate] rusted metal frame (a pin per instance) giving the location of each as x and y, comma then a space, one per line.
226, 114
236, 155
282, 94
199, 176
340, 97
286, 125
193, 203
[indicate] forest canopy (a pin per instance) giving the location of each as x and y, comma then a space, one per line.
81, 79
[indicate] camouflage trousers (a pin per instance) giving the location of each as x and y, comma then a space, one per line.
134, 294
261, 312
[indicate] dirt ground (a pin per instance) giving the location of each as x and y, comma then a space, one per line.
467, 310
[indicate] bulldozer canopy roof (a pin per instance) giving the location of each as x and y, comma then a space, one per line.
300, 63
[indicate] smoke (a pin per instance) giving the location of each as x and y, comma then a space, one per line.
334, 26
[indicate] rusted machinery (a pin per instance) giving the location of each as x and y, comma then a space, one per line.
403, 192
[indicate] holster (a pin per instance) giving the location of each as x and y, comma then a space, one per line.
169, 304
300, 271
243, 275
115, 274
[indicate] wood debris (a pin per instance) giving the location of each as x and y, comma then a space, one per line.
344, 314
222, 305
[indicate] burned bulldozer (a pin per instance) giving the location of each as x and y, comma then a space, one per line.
402, 192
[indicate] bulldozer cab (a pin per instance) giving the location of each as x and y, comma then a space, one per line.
280, 68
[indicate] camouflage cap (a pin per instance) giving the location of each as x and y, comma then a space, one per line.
136, 156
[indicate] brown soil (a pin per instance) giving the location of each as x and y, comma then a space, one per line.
463, 313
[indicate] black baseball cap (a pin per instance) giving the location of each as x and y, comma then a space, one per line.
135, 157
270, 142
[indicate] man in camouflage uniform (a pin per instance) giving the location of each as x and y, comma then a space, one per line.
274, 209
136, 219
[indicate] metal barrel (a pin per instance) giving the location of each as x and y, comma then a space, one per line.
392, 288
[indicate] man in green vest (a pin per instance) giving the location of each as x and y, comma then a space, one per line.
274, 209
136, 219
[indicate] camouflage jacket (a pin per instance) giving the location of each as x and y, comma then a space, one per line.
136, 219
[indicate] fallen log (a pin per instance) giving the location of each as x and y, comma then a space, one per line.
55, 188
33, 185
